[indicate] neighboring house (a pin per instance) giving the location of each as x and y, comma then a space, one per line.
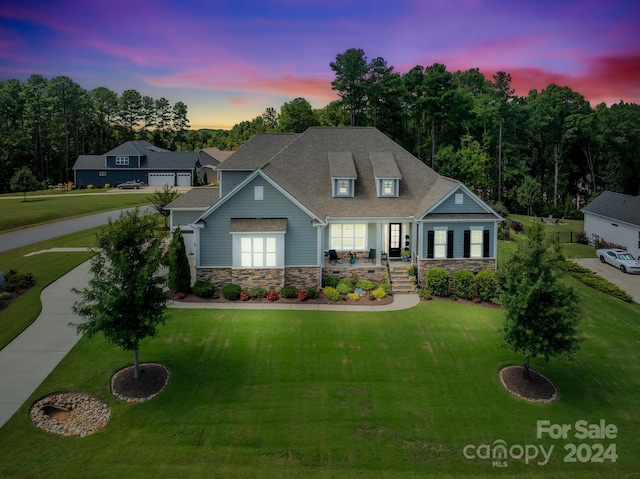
287, 199
614, 218
209, 159
137, 161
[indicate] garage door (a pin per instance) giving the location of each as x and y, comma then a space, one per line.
161, 179
183, 179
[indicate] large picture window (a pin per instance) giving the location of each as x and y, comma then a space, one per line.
348, 236
440, 243
258, 252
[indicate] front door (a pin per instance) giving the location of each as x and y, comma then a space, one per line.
394, 240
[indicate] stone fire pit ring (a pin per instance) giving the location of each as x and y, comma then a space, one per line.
70, 413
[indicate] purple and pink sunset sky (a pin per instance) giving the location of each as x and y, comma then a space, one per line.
230, 60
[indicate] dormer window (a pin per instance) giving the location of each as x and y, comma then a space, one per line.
387, 174
122, 161
343, 187
343, 174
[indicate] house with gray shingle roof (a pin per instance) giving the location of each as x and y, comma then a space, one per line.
614, 218
136, 160
287, 199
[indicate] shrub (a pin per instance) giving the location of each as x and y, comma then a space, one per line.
365, 285
348, 282
517, 226
179, 279
272, 296
344, 288
424, 293
581, 237
289, 292
594, 280
107, 185
89, 186
244, 296
16, 280
331, 293
231, 291
5, 295
437, 280
486, 285
203, 289
386, 287
331, 281
257, 293
378, 293
303, 295
313, 293
353, 297
465, 284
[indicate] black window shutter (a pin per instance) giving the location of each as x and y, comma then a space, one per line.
467, 243
430, 244
449, 244
485, 244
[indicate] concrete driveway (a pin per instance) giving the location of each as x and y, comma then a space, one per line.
627, 282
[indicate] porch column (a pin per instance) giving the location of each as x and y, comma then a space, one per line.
378, 243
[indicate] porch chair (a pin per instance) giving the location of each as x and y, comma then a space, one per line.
333, 257
372, 256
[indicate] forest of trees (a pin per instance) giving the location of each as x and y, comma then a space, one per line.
548, 152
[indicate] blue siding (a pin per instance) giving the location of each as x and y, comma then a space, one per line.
230, 179
116, 175
300, 238
469, 205
458, 235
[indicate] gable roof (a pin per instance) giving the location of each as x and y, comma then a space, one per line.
302, 168
135, 148
617, 206
195, 199
213, 156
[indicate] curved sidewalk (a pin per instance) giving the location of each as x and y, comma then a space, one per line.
30, 358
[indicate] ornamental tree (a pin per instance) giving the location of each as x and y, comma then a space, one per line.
126, 298
179, 270
160, 200
24, 181
542, 313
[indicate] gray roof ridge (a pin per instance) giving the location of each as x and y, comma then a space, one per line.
298, 135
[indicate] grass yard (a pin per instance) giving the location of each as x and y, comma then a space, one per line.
16, 214
283, 394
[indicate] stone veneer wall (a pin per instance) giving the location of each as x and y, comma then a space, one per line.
456, 264
375, 274
216, 276
302, 277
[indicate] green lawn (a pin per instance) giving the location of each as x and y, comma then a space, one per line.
16, 214
323, 394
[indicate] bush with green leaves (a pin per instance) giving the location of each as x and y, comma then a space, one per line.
387, 288
378, 293
464, 283
203, 289
15, 280
365, 285
347, 282
289, 292
179, 280
231, 291
331, 281
257, 292
344, 288
313, 293
5, 295
594, 280
331, 293
487, 285
353, 297
437, 280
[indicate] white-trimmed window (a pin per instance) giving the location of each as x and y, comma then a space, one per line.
440, 242
477, 236
258, 193
387, 187
343, 187
258, 251
102, 173
348, 236
122, 161
459, 199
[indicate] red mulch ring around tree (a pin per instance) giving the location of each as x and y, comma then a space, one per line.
153, 379
536, 389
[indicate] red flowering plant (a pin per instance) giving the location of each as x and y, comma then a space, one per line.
272, 296
303, 295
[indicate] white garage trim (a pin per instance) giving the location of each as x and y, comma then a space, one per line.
161, 179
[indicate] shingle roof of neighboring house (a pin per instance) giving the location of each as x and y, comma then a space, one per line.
134, 148
213, 156
616, 206
89, 162
257, 152
196, 198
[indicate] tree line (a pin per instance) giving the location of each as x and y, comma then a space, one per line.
548, 152
46, 124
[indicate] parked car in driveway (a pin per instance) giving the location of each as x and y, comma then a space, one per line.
129, 185
620, 259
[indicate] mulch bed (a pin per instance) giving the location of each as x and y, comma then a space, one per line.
536, 389
4, 303
153, 379
363, 301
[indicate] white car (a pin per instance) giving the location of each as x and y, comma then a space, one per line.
620, 259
